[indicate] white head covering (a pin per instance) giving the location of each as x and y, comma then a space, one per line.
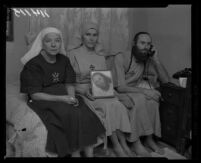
37, 44
77, 39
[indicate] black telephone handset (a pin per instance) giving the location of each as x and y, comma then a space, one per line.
183, 73
151, 52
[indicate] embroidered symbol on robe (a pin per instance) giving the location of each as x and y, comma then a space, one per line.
55, 76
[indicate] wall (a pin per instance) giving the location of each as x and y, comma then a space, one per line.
170, 28
171, 32
16, 49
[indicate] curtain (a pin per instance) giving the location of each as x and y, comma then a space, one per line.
115, 24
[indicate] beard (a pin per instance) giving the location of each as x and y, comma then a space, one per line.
140, 56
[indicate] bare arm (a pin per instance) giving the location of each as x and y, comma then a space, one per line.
149, 93
70, 98
71, 92
48, 97
70, 89
127, 89
162, 72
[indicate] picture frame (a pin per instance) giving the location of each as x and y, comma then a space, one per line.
102, 84
9, 25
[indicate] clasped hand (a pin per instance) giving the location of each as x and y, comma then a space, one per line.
152, 94
70, 100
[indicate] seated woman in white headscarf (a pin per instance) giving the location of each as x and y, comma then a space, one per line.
47, 78
85, 57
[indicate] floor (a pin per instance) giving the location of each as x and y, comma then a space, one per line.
170, 152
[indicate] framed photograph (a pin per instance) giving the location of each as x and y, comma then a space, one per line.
102, 84
9, 25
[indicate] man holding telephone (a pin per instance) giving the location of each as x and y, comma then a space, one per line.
139, 72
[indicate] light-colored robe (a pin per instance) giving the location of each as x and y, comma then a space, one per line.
144, 116
111, 111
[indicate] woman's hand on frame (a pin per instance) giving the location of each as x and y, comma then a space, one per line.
89, 95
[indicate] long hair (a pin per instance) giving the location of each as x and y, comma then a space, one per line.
105, 78
135, 39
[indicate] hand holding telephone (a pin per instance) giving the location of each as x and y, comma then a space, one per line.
153, 54
183, 73
151, 51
